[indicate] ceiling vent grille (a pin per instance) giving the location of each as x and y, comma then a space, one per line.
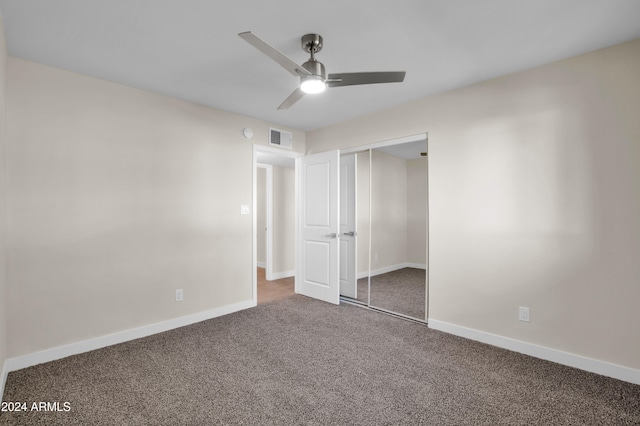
280, 138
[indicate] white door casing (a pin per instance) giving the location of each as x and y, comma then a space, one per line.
348, 234
319, 233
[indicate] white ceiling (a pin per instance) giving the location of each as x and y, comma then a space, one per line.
189, 49
407, 151
276, 160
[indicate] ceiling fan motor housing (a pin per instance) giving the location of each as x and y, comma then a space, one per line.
315, 68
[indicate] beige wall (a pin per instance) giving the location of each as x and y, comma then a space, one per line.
283, 220
3, 205
417, 211
399, 221
119, 197
388, 211
534, 197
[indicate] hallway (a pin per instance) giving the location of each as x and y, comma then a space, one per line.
273, 290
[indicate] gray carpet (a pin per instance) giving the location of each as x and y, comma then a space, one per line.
402, 291
300, 361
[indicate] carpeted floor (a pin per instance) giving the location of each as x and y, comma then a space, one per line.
300, 361
402, 291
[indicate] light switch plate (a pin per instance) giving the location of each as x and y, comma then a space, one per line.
244, 209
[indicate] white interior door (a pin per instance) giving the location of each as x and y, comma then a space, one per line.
319, 203
348, 286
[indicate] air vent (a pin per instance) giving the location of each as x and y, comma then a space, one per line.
280, 138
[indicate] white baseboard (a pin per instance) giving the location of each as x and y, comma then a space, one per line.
59, 352
572, 360
283, 274
3, 379
382, 270
391, 268
262, 265
422, 266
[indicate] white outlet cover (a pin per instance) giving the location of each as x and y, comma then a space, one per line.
244, 209
523, 314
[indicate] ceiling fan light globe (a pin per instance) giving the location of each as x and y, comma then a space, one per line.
313, 84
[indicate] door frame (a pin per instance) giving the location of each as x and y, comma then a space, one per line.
267, 150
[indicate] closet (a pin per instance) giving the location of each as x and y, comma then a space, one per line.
384, 228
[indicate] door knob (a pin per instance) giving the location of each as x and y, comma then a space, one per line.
350, 234
332, 235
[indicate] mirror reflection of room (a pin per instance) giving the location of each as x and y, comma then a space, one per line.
392, 228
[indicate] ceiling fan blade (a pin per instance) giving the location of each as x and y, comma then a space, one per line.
355, 78
274, 54
294, 97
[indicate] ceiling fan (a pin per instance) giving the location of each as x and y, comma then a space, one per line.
313, 78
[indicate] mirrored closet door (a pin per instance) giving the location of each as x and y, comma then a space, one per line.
390, 211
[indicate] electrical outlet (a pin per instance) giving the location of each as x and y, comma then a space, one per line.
523, 314
179, 295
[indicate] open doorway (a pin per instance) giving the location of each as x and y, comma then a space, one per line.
274, 224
